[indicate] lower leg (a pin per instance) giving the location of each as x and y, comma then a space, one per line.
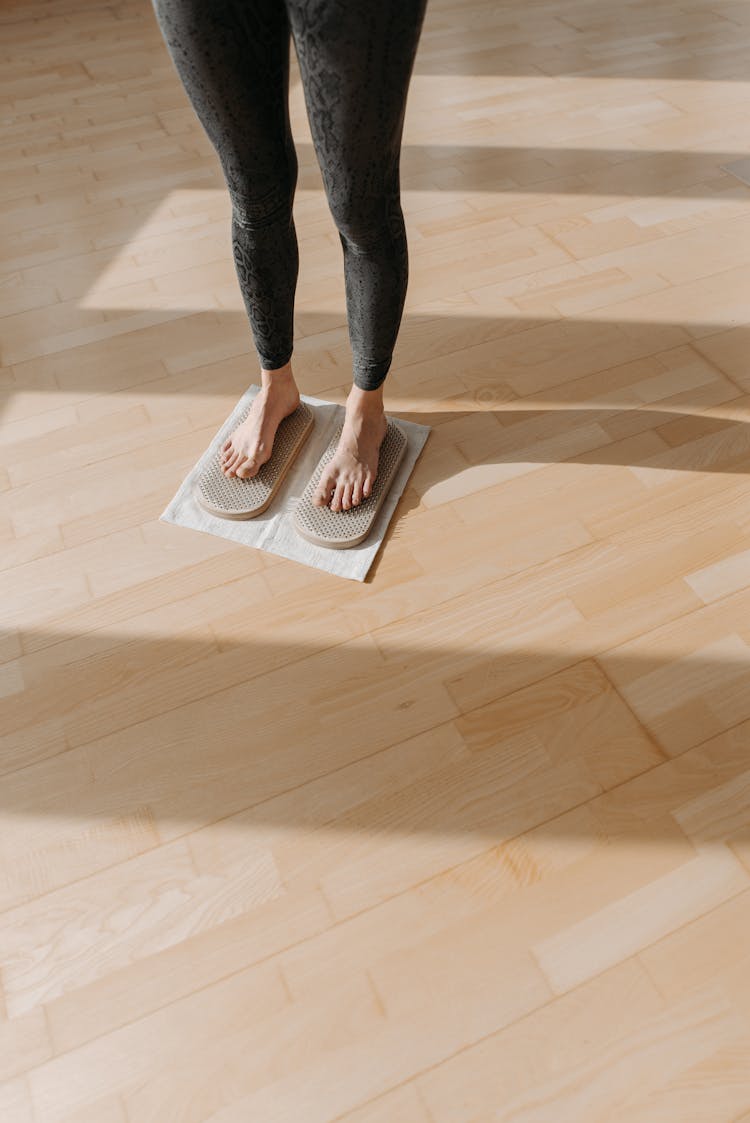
366, 54
376, 275
233, 61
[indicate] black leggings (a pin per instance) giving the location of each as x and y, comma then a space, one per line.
356, 59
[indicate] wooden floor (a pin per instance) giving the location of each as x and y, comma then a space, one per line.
468, 842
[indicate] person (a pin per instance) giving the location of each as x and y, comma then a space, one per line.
356, 59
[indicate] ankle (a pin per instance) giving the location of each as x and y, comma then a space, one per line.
365, 403
282, 377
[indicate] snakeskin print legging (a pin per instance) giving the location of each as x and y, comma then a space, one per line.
355, 59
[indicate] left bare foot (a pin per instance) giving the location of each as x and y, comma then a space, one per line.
348, 478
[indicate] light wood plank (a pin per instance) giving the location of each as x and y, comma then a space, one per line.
467, 842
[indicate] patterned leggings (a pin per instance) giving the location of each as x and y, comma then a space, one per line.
356, 59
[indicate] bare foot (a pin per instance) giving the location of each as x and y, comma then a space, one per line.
350, 474
248, 448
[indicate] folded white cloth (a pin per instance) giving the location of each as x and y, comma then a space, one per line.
273, 530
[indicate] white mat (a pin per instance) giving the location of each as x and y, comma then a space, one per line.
273, 530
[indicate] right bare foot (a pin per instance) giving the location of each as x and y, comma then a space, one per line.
248, 448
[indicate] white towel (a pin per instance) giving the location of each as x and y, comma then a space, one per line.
273, 530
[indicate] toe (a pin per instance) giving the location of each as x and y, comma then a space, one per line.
232, 462
357, 493
247, 469
367, 486
323, 490
337, 496
346, 496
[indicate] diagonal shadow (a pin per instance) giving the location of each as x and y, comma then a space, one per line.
488, 169
522, 393
356, 772
489, 738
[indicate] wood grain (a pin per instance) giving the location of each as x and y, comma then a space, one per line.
468, 842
